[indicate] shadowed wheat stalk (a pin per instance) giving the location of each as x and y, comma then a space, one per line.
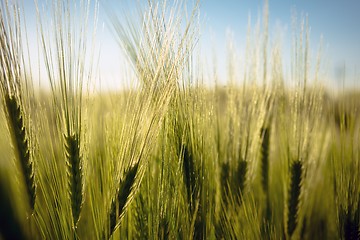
294, 196
122, 199
21, 146
126, 187
189, 176
265, 141
192, 179
75, 175
265, 159
225, 180
240, 179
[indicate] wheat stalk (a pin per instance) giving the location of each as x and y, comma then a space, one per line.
265, 133
126, 188
122, 199
75, 175
194, 190
225, 181
20, 142
265, 141
10, 86
294, 196
69, 66
189, 176
240, 179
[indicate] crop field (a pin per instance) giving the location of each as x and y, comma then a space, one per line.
170, 157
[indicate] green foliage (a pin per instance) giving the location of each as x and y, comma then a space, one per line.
172, 158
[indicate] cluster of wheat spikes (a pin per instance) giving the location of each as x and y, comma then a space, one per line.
69, 67
276, 157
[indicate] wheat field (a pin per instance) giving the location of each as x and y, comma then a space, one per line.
172, 157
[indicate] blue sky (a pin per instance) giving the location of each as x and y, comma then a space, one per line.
337, 21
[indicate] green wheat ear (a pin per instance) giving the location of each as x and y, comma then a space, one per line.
265, 145
240, 179
21, 146
126, 188
189, 176
294, 196
75, 175
225, 181
265, 159
125, 192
